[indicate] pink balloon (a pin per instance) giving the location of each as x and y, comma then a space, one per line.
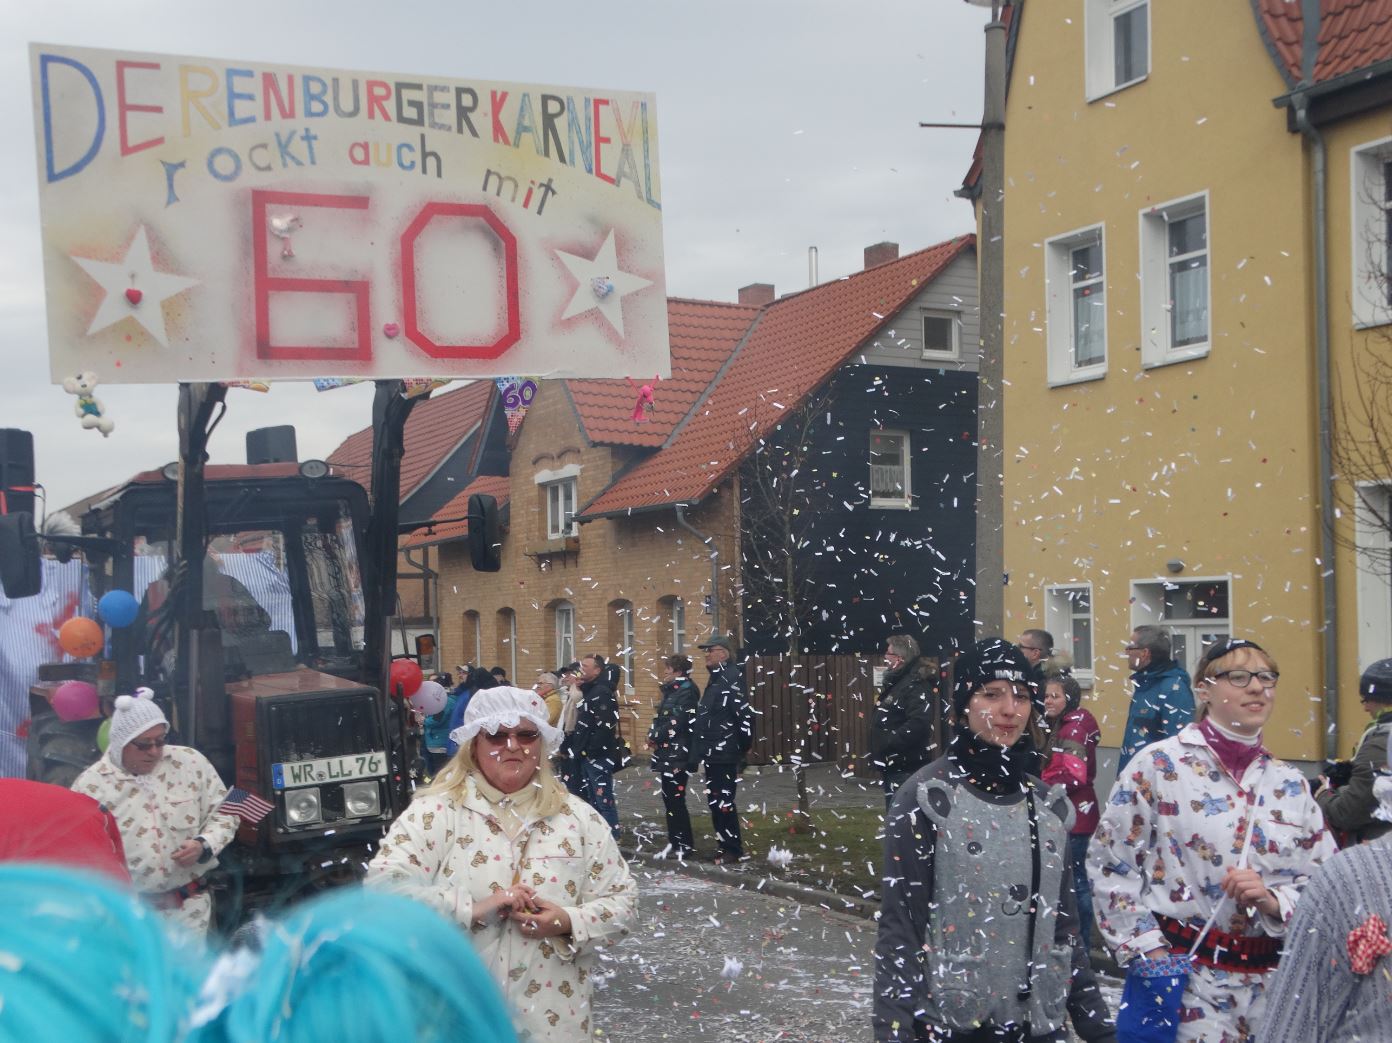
75, 701
429, 698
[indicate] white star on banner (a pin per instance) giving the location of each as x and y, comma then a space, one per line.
135, 271
602, 286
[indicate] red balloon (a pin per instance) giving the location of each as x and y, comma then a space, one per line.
81, 637
406, 677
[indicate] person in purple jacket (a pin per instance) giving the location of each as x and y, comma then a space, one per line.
1071, 760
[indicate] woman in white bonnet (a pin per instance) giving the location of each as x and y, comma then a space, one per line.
1334, 981
167, 804
497, 844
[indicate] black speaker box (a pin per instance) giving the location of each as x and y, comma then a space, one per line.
272, 445
16, 471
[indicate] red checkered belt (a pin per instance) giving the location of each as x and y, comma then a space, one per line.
176, 898
1250, 954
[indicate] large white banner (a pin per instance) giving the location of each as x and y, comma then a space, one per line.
215, 220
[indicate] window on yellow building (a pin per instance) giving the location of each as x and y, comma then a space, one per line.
1117, 43
1068, 616
1196, 612
1371, 166
1372, 505
1076, 306
1175, 314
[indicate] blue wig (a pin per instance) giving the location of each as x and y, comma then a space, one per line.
359, 966
83, 960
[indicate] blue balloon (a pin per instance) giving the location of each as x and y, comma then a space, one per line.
118, 608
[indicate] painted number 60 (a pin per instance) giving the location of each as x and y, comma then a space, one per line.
359, 289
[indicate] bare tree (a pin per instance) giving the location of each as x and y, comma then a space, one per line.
783, 494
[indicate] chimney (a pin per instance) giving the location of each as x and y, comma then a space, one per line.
880, 253
757, 294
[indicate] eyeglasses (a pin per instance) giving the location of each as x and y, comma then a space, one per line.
1135, 648
1242, 678
523, 737
146, 745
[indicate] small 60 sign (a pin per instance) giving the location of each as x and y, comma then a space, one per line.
359, 290
519, 396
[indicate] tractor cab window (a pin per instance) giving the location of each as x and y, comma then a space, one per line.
284, 593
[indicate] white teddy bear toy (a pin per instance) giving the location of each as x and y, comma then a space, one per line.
88, 408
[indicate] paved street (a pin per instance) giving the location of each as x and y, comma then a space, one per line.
806, 971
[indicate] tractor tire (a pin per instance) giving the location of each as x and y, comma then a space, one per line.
59, 750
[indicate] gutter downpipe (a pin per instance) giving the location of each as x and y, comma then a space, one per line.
715, 567
1328, 585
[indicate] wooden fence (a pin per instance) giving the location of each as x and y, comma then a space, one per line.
811, 708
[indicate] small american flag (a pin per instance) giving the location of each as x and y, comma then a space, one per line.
245, 805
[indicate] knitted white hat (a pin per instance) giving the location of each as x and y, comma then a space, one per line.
505, 707
134, 714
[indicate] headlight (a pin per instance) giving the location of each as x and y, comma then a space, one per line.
362, 799
302, 806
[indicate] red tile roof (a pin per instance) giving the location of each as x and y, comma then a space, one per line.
433, 431
795, 345
1353, 35
491, 485
703, 334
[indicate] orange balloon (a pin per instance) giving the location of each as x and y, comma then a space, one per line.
81, 637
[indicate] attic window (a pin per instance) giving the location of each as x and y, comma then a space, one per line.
941, 338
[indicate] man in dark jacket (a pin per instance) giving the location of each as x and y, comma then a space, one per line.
1163, 702
1350, 807
721, 735
593, 746
907, 728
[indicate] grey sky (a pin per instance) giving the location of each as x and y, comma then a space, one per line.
784, 124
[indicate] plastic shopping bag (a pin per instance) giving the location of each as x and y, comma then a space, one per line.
1150, 1001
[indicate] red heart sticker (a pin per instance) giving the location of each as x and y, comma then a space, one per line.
391, 329
133, 295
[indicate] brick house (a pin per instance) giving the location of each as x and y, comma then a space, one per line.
446, 449
627, 538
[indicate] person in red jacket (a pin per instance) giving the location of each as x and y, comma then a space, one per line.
1071, 760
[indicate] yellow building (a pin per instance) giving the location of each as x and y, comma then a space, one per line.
1164, 301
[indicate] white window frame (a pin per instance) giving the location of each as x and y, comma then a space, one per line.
512, 644
1373, 577
1058, 305
1369, 211
955, 318
1156, 305
1060, 615
1147, 606
678, 618
894, 503
1099, 42
626, 652
556, 496
564, 616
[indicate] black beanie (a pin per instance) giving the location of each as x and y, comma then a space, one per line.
993, 659
1376, 682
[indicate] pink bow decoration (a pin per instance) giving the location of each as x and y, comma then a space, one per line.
643, 407
1368, 943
